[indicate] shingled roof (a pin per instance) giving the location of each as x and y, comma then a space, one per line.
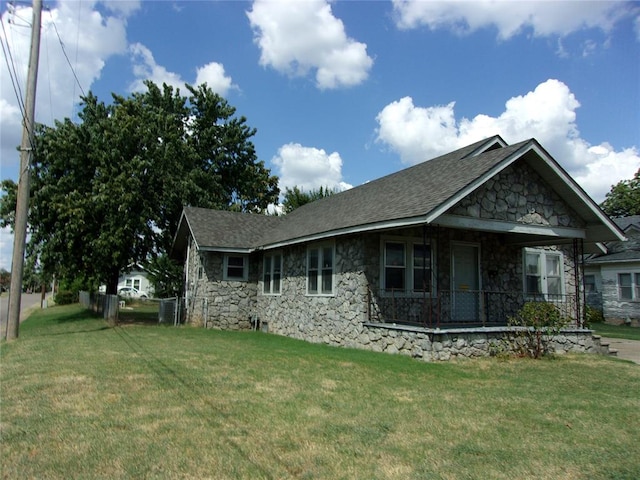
416, 195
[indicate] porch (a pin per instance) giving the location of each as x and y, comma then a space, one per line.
461, 308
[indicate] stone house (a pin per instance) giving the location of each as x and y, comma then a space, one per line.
612, 279
430, 261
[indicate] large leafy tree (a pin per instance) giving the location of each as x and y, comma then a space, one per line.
624, 198
108, 191
295, 198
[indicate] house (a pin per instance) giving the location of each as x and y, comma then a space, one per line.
431, 261
137, 278
612, 279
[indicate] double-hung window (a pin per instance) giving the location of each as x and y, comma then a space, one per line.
543, 272
629, 286
320, 262
272, 274
235, 267
407, 266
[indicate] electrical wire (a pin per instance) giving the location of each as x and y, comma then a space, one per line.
67, 58
11, 66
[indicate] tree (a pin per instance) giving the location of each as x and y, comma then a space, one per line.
8, 203
108, 191
165, 275
295, 198
624, 198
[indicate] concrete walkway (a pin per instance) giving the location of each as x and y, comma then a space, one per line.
627, 349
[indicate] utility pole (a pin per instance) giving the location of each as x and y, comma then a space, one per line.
22, 204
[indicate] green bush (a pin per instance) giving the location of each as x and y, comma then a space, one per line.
65, 297
538, 319
593, 315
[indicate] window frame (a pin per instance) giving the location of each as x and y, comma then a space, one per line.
319, 270
272, 269
245, 267
633, 286
409, 266
543, 274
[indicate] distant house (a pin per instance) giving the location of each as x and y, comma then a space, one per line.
431, 261
137, 278
612, 279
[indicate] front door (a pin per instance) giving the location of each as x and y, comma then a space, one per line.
465, 283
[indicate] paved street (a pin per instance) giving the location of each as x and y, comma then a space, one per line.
29, 302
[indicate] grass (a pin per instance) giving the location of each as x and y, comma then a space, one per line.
82, 400
616, 331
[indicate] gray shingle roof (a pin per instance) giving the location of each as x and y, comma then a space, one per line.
405, 197
410, 193
626, 222
218, 229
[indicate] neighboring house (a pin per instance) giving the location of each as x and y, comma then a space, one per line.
136, 278
431, 261
612, 279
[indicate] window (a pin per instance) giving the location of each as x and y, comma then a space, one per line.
407, 266
590, 284
320, 270
629, 286
235, 267
272, 274
543, 272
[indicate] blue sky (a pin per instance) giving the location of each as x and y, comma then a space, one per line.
344, 92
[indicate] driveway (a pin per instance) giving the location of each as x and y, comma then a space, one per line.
627, 349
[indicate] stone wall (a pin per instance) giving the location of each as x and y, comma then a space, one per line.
443, 345
214, 302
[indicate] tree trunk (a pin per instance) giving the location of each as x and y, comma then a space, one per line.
112, 282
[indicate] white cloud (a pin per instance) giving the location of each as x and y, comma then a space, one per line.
89, 38
6, 248
146, 68
510, 17
548, 113
214, 76
296, 37
308, 168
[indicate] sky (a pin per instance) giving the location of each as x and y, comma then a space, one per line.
344, 92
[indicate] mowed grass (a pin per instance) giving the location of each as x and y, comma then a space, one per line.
616, 331
82, 400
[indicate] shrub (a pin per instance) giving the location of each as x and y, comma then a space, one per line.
538, 319
65, 297
593, 315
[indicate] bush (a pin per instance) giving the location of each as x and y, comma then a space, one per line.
538, 319
593, 315
65, 297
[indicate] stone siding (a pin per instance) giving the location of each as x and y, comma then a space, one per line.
518, 194
217, 303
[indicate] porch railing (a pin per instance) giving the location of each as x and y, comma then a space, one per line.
459, 308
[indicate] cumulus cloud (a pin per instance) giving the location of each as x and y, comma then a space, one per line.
308, 168
297, 37
145, 67
548, 113
214, 76
510, 17
90, 37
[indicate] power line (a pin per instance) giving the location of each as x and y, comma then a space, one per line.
67, 58
11, 66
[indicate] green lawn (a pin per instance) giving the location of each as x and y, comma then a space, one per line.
82, 400
616, 331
